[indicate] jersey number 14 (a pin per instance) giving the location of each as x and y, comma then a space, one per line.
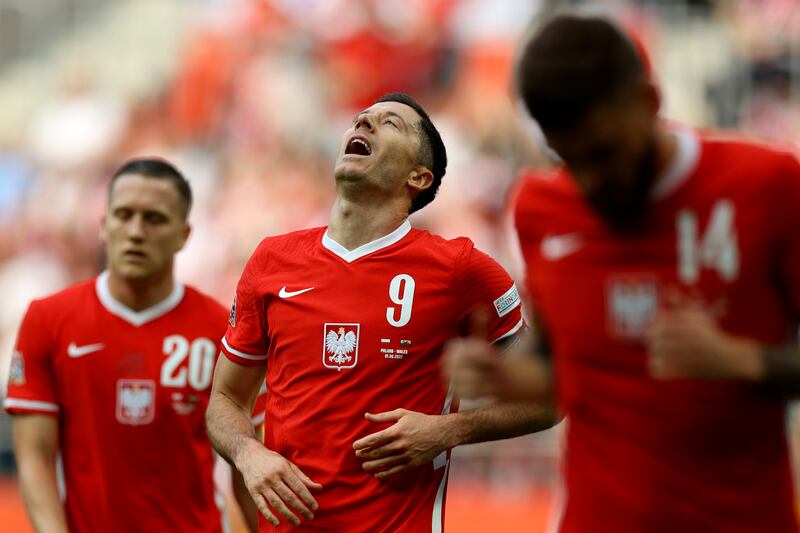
717, 249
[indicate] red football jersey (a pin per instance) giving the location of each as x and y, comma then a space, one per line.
348, 332
130, 390
644, 455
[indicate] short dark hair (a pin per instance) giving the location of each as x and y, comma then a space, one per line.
571, 64
156, 168
432, 153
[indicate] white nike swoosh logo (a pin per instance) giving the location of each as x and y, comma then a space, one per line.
288, 294
73, 350
555, 247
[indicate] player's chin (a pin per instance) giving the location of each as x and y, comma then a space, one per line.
351, 168
134, 269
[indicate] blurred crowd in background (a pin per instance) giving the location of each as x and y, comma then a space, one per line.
249, 98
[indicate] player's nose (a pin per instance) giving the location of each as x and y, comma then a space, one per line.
364, 120
135, 228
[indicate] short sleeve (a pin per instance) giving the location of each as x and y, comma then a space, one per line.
31, 380
245, 341
480, 283
789, 234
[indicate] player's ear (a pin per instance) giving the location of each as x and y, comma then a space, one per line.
420, 179
103, 232
185, 232
652, 96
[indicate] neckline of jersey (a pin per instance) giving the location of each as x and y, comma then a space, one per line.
687, 154
137, 318
368, 248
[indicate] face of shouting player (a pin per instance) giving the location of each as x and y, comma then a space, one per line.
380, 151
144, 228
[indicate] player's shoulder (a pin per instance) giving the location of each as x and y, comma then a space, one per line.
66, 300
441, 246
202, 303
544, 190
452, 254
749, 153
293, 243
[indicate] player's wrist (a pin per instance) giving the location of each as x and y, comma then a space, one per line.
746, 359
451, 430
244, 450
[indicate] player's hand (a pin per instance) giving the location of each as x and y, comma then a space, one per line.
272, 479
473, 367
687, 343
413, 440
477, 370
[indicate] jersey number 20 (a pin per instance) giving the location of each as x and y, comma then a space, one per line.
201, 353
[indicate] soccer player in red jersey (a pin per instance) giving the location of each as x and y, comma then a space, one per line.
348, 324
664, 269
114, 373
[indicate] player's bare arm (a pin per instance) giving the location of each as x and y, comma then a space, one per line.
688, 343
35, 448
478, 369
269, 477
415, 439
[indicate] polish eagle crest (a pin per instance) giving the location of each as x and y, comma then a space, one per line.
340, 345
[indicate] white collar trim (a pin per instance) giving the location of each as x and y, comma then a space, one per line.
137, 318
370, 247
683, 164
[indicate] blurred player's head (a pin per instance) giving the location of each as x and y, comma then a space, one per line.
394, 147
583, 80
146, 221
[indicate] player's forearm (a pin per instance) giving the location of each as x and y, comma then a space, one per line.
497, 421
778, 368
37, 481
229, 427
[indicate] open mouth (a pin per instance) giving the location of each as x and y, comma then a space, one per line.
358, 146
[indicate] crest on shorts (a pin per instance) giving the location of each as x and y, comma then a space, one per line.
340, 345
16, 374
136, 401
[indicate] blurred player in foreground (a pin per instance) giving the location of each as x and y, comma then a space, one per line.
664, 268
348, 323
114, 373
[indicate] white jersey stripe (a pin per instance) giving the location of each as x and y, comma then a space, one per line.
560, 496
258, 419
512, 331
437, 520
242, 354
11, 403
441, 460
